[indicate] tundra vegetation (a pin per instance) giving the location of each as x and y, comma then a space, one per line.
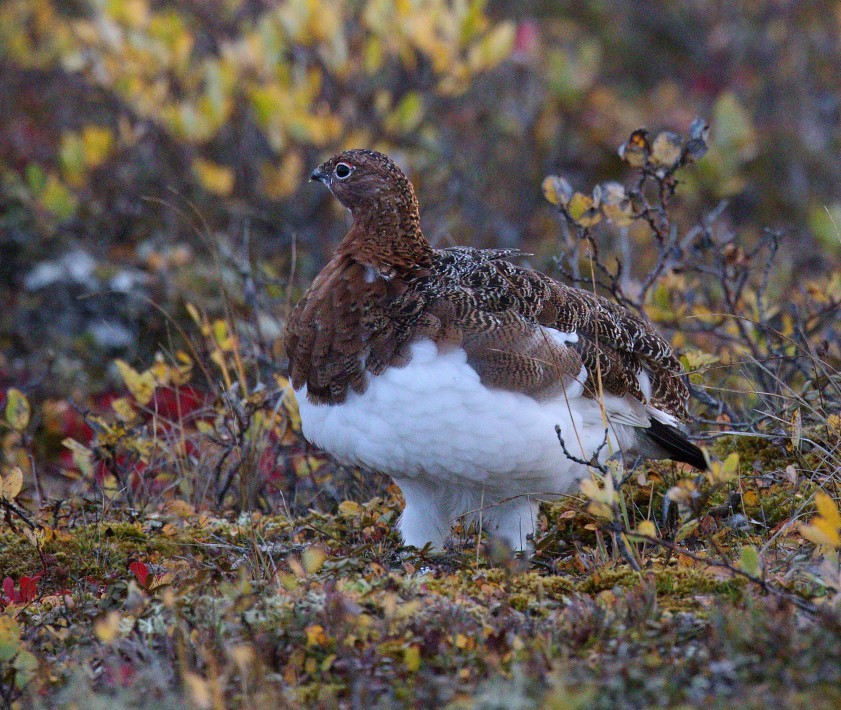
168, 538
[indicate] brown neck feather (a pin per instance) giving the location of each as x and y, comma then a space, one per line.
386, 233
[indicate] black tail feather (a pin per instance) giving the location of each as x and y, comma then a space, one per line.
675, 444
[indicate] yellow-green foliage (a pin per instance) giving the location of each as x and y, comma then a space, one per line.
272, 63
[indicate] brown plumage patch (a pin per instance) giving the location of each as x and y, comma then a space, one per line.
386, 288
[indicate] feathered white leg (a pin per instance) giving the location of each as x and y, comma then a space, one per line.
425, 518
514, 521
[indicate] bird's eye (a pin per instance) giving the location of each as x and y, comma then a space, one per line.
343, 171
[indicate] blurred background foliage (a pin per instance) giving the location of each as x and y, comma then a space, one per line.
152, 152
131, 131
156, 224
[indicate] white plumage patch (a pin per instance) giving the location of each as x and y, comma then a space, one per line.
455, 446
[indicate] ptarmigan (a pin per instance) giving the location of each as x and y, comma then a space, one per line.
450, 369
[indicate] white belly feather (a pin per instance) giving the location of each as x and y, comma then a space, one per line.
454, 445
433, 418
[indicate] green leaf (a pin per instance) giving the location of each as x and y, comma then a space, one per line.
408, 114
749, 560
57, 198
17, 409
25, 666
730, 467
82, 455
36, 178
825, 224
732, 127
9, 638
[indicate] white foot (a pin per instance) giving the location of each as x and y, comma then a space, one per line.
514, 521
424, 519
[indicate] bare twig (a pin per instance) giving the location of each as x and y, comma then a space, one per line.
594, 459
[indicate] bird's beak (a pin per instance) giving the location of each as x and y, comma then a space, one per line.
318, 175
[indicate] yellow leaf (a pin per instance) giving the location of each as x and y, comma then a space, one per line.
160, 371
12, 484
821, 534
374, 55
616, 205
82, 455
723, 472
579, 203
57, 198
199, 691
751, 498
222, 336
124, 409
349, 509
828, 510
647, 528
215, 178
666, 149
183, 370
556, 190
407, 115
72, 157
282, 180
107, 627
97, 142
315, 635
312, 559
194, 314
493, 48
412, 658
17, 409
696, 362
205, 427
582, 209
796, 430
731, 465
142, 387
601, 499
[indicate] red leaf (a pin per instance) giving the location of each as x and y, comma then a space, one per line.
141, 571
9, 589
28, 588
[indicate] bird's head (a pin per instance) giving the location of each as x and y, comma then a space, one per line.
366, 180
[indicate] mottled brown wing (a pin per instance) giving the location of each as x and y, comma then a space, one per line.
614, 344
498, 310
517, 354
340, 329
468, 302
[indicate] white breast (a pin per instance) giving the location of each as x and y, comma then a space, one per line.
434, 419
